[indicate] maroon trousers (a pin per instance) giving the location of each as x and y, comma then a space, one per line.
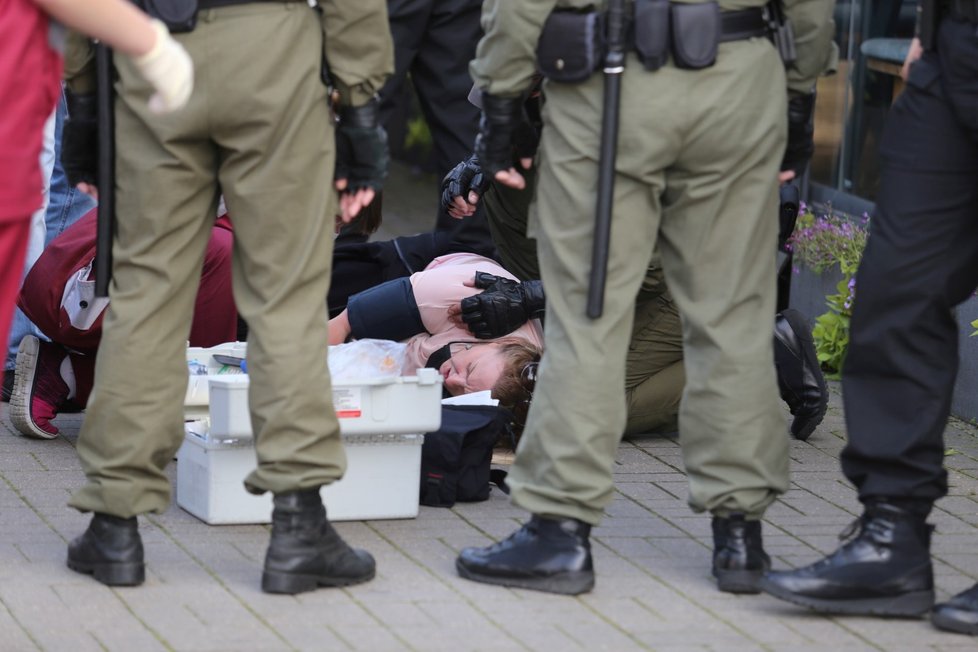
44, 298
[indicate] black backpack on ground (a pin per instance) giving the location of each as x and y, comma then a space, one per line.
456, 458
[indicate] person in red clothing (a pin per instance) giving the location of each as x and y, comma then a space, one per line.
31, 72
58, 296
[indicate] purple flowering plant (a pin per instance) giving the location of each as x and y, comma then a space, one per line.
822, 242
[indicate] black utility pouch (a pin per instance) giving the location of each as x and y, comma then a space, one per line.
177, 15
571, 46
652, 32
695, 34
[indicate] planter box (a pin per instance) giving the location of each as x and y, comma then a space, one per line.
808, 291
964, 404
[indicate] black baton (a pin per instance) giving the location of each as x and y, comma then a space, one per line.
614, 65
105, 172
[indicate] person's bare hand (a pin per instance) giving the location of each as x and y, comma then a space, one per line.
352, 203
455, 315
461, 208
88, 189
915, 52
785, 176
339, 328
512, 178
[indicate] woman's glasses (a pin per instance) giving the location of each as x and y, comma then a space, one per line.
528, 382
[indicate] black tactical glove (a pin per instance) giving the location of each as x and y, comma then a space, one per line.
464, 178
361, 147
79, 139
526, 138
801, 141
503, 307
501, 117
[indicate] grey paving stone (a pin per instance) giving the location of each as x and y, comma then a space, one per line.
654, 590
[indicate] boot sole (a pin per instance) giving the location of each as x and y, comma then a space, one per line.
739, 581
946, 623
292, 583
907, 605
813, 423
571, 583
20, 396
132, 574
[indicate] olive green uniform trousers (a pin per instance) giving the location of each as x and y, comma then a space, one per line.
654, 375
697, 163
257, 128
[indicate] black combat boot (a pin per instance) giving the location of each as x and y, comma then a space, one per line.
883, 570
305, 552
546, 554
739, 560
959, 614
800, 378
110, 550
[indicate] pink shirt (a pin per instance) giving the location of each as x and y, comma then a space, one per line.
441, 285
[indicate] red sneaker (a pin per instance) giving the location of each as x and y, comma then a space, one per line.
39, 391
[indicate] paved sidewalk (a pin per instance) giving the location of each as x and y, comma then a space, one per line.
654, 590
652, 556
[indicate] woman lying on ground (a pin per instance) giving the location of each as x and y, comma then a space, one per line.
416, 309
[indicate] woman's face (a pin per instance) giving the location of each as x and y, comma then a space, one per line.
472, 368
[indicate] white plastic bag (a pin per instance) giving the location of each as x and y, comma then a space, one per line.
366, 358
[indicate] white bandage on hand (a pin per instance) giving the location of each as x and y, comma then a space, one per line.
169, 69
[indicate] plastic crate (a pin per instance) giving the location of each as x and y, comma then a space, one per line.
390, 406
382, 479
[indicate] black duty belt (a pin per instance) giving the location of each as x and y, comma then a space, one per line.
743, 24
964, 10
734, 26
214, 4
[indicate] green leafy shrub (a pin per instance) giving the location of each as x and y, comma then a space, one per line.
822, 242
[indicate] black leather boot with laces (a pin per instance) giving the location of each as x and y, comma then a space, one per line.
305, 552
883, 569
546, 554
110, 550
959, 614
739, 560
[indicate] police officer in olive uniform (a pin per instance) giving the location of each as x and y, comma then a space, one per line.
899, 375
654, 375
258, 128
698, 157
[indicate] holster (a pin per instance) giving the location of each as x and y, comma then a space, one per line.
695, 34
177, 15
571, 45
651, 32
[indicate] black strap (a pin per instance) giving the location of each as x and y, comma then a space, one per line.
742, 24
214, 4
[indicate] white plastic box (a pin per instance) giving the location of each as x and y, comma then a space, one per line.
382, 480
379, 419
395, 405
